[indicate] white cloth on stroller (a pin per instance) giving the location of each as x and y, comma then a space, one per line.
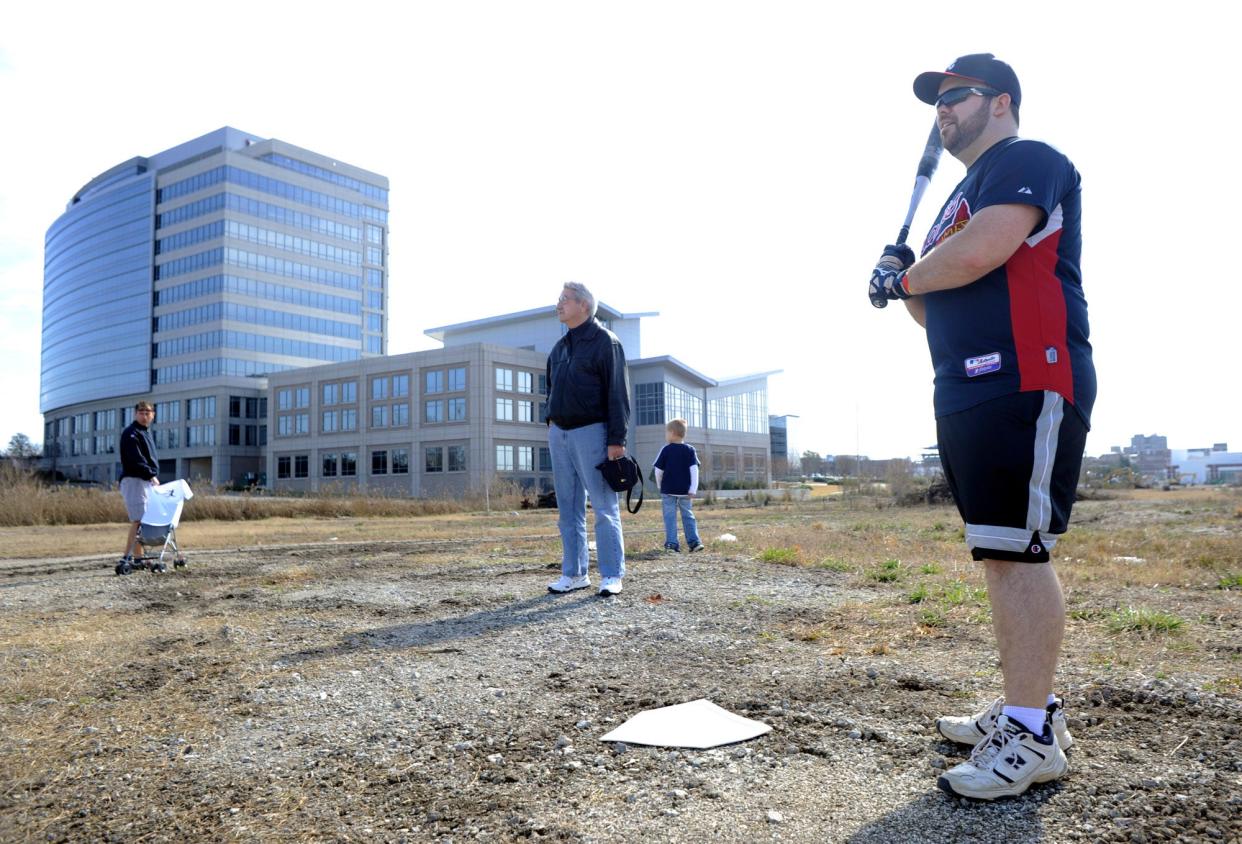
164, 504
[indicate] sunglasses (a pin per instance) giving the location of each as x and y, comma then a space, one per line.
953, 96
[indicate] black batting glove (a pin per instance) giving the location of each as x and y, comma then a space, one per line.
901, 252
886, 283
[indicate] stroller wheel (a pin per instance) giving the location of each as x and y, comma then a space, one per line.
123, 567
158, 568
179, 564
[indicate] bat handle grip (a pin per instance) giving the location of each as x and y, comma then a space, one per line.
901, 237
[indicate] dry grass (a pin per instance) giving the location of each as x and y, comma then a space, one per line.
25, 501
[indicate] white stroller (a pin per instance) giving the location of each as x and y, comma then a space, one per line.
159, 528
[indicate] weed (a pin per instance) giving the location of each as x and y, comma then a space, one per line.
933, 618
781, 556
1143, 620
959, 592
832, 564
1230, 581
888, 572
919, 595
929, 568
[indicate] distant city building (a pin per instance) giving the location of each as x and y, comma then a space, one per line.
1149, 456
183, 278
929, 465
784, 449
1215, 465
451, 420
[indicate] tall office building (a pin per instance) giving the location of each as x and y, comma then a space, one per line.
184, 278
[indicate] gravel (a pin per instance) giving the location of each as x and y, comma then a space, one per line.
401, 702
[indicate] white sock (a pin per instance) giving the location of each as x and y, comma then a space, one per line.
1032, 719
1051, 698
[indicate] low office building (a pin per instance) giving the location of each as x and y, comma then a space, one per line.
449, 421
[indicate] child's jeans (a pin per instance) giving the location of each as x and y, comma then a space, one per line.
684, 503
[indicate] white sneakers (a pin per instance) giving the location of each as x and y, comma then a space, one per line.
971, 729
609, 586
564, 583
1008, 761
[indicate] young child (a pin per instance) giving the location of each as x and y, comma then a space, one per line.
677, 473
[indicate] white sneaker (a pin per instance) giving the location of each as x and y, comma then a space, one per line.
610, 586
1006, 763
971, 729
565, 583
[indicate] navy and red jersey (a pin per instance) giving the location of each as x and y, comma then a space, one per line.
1023, 326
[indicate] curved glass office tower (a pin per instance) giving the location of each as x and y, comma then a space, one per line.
185, 277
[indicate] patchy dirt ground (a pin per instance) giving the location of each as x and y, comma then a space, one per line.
435, 691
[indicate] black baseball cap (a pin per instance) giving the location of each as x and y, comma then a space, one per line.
977, 67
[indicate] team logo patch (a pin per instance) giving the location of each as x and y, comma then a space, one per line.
952, 220
983, 364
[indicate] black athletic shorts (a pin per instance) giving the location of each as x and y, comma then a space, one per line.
1012, 464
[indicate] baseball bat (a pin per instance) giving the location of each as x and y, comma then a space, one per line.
927, 168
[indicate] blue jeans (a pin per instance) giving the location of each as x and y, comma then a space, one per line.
575, 454
673, 503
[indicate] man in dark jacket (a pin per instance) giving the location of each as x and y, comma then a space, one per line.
139, 470
588, 419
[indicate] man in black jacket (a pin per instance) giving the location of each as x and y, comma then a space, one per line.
139, 470
588, 419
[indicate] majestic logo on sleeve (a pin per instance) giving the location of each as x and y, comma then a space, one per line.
955, 217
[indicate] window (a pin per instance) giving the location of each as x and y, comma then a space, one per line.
284, 425
330, 422
349, 464
649, 403
379, 416
252, 408
301, 397
302, 423
504, 410
456, 410
400, 415
433, 459
504, 458
234, 434
379, 463
545, 459
301, 465
400, 461
374, 345
379, 388
433, 411
504, 379
543, 383
525, 382
525, 411
331, 394
284, 399
457, 379
284, 467
328, 465
433, 382
457, 458
349, 392
400, 386
349, 419
543, 412
525, 458
252, 435
235, 407
374, 234
374, 322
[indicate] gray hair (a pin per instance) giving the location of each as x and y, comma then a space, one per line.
582, 294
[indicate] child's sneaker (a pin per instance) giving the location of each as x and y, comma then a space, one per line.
696, 546
672, 547
970, 729
1006, 763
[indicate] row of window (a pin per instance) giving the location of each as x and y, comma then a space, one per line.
264, 210
525, 381
215, 284
211, 368
384, 461
292, 243
275, 187
368, 190
657, 402
189, 237
742, 412
397, 414
260, 263
255, 343
260, 316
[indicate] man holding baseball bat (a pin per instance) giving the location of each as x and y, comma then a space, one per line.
999, 292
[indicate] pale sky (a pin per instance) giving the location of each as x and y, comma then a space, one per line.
736, 167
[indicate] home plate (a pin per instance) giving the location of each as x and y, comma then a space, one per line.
698, 724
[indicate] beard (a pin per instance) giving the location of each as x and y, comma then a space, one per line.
969, 130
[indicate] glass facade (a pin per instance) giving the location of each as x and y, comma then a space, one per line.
97, 293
